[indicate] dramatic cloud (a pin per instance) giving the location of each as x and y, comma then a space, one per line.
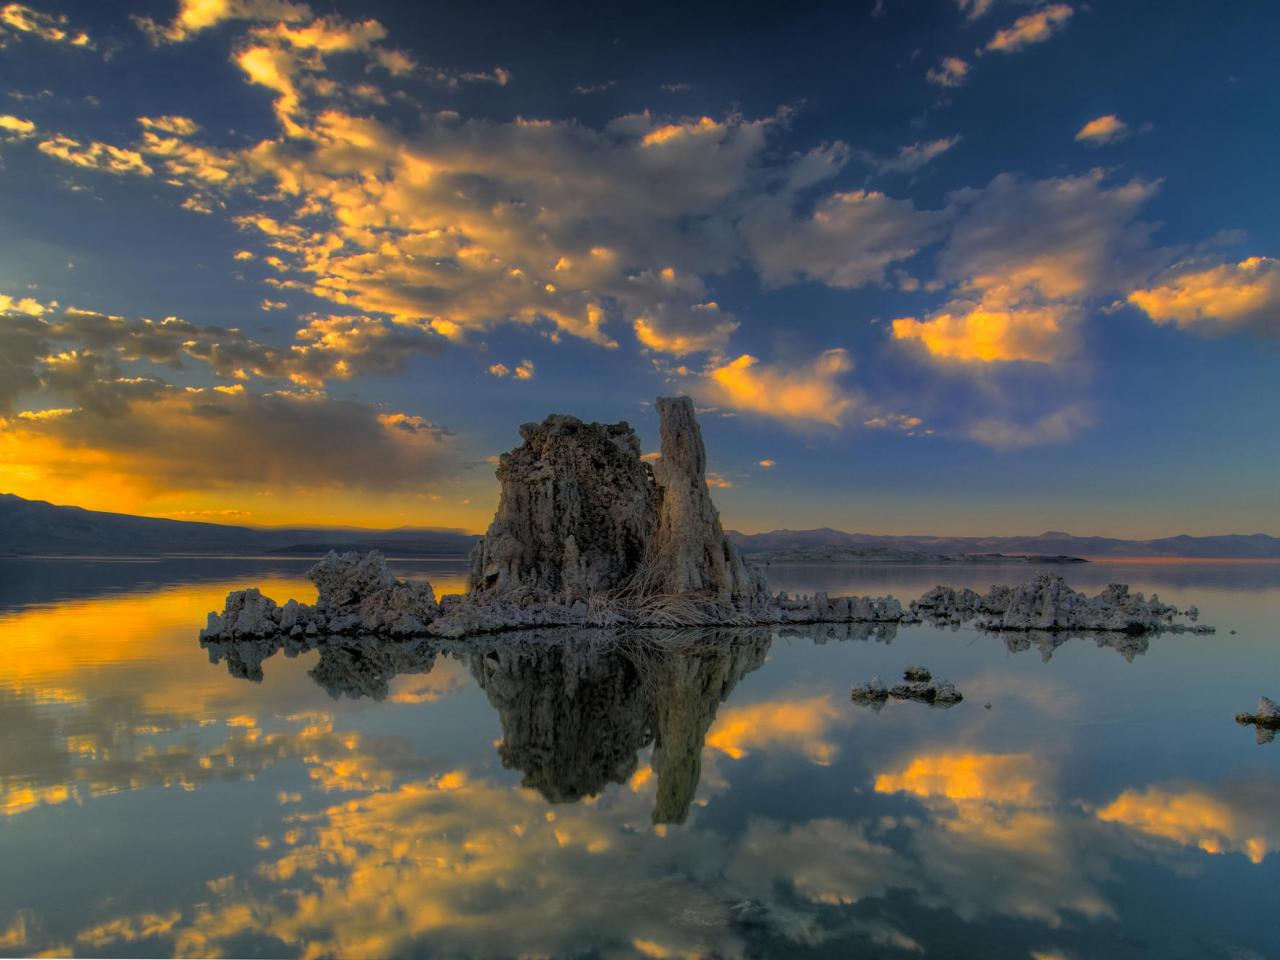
1216, 298
680, 329
1024, 257
1104, 129
950, 72
1033, 28
806, 394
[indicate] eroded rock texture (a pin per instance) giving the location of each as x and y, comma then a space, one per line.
690, 553
576, 514
1048, 604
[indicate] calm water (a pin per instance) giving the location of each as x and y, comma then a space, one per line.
546, 796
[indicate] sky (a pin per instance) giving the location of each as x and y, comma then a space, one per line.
926, 266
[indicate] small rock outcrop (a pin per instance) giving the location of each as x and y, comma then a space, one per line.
1266, 719
918, 684
355, 593
1047, 603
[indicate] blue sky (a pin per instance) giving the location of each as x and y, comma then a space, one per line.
964, 267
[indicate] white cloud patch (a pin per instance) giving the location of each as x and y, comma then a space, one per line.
1057, 427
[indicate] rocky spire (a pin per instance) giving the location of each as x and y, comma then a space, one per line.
690, 553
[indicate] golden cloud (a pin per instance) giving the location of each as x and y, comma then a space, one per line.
1220, 820
17, 19
969, 331
805, 394
95, 155
798, 724
1216, 298
1104, 129
1035, 27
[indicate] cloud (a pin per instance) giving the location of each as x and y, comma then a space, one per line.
95, 155
1233, 818
1056, 427
151, 437
19, 20
1024, 258
981, 331
1035, 27
195, 16
1104, 129
1215, 298
767, 463
678, 328
799, 724
810, 393
950, 72
916, 155
178, 126
15, 128
848, 241
973, 9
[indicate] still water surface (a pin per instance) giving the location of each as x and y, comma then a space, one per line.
581, 796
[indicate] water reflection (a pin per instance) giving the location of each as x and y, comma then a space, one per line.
576, 707
583, 795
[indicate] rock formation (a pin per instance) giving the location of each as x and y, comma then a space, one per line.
576, 514
1266, 719
1047, 603
588, 534
918, 684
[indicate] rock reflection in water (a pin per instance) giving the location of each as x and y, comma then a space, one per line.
576, 707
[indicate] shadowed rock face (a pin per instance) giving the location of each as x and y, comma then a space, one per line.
576, 513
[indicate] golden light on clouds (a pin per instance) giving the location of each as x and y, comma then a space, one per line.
1104, 129
1216, 298
799, 724
809, 393
965, 331
1211, 819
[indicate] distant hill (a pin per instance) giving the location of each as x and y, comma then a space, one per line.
1257, 546
34, 527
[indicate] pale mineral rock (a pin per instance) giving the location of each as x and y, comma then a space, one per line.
1047, 603
589, 534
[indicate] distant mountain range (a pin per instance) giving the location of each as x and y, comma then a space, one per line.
34, 527
1257, 546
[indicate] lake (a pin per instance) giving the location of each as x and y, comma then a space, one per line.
713, 794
